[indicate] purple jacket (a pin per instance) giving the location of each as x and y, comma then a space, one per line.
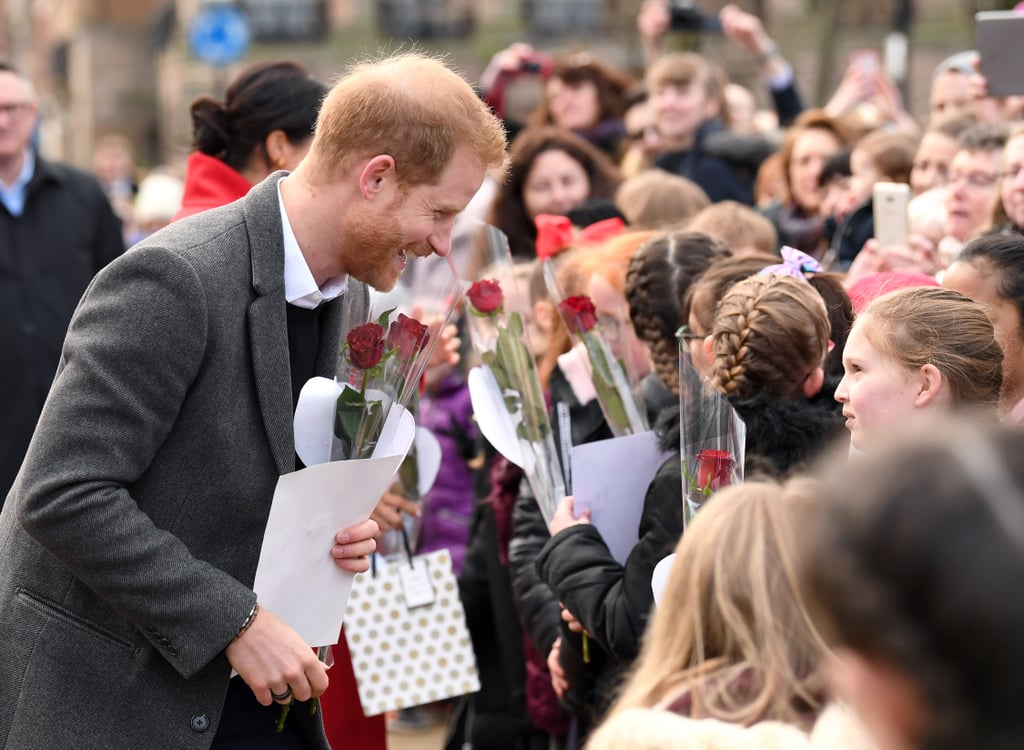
447, 508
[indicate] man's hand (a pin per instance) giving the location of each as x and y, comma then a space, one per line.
272, 658
352, 546
388, 513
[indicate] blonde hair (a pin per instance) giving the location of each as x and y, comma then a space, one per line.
656, 199
738, 226
931, 325
724, 615
411, 107
770, 332
683, 69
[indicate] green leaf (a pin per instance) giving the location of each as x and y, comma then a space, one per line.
382, 320
515, 326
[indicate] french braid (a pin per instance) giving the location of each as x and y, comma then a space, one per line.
770, 332
659, 275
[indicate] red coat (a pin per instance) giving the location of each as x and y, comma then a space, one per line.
209, 183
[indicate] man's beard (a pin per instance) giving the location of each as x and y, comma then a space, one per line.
373, 247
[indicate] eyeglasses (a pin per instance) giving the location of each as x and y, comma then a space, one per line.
1011, 172
610, 326
14, 108
974, 179
687, 334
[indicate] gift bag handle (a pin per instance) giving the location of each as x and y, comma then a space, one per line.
405, 544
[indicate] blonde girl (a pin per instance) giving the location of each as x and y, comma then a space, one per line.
731, 657
917, 351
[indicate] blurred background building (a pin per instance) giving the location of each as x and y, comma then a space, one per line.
126, 66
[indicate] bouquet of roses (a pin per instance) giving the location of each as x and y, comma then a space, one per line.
508, 382
712, 437
612, 385
379, 370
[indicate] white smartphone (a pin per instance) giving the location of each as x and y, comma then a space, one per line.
889, 209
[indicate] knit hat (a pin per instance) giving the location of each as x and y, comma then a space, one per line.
875, 285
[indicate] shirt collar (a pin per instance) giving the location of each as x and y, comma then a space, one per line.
14, 196
300, 289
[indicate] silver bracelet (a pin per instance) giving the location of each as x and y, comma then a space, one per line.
248, 621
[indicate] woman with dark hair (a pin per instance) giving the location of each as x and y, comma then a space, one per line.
909, 565
588, 97
264, 123
809, 142
552, 172
580, 93
990, 270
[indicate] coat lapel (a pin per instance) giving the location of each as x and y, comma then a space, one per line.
268, 323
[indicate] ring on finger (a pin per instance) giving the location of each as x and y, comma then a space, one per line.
282, 697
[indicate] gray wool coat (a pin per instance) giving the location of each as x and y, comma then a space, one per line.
129, 542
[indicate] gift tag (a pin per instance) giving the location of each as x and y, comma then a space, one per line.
416, 586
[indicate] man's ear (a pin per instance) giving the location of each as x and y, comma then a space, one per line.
812, 383
377, 173
930, 386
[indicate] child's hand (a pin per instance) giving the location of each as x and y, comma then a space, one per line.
570, 621
565, 516
388, 513
558, 680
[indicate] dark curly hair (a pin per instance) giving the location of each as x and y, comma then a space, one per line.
508, 212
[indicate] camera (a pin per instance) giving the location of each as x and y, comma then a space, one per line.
686, 16
539, 64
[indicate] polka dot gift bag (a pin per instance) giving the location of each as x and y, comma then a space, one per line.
407, 632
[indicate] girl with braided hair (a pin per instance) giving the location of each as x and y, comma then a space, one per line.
770, 337
767, 350
659, 276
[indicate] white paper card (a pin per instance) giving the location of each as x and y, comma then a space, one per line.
314, 420
610, 479
492, 416
296, 577
660, 577
428, 460
415, 579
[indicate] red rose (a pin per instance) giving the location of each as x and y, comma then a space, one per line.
485, 296
365, 345
408, 336
581, 310
714, 469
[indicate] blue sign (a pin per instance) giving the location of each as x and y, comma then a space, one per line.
219, 34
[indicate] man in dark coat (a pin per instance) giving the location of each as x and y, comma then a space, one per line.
57, 230
130, 539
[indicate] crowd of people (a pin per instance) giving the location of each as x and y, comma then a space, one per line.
850, 593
